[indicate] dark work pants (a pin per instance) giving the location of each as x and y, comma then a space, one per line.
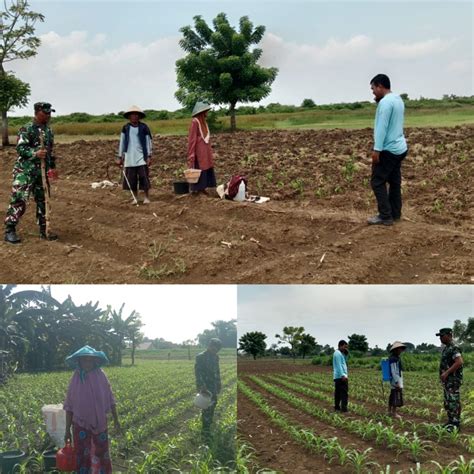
386, 183
207, 417
341, 394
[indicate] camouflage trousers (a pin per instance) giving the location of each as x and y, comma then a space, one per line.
452, 402
26, 182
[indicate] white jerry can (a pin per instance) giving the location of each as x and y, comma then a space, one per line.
240, 196
55, 418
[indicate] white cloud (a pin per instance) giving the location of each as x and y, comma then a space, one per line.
415, 50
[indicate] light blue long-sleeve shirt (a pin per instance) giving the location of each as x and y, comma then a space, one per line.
339, 364
388, 129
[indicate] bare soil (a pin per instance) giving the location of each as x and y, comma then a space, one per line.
312, 231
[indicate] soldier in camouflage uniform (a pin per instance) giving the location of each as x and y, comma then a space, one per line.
450, 371
208, 380
27, 172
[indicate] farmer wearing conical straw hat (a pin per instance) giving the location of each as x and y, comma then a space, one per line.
200, 150
396, 379
134, 153
89, 399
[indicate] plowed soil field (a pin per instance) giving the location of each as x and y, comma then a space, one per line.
286, 414
312, 231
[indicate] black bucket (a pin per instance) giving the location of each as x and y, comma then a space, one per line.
49, 460
181, 187
9, 459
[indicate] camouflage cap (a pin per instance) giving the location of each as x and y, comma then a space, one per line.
444, 331
43, 106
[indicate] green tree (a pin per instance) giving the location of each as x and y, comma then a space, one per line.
221, 66
17, 41
291, 335
308, 104
358, 342
307, 344
226, 331
253, 343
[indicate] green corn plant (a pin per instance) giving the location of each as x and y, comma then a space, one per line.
360, 461
462, 466
417, 447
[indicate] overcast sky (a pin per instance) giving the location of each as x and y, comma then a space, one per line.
175, 313
103, 56
384, 313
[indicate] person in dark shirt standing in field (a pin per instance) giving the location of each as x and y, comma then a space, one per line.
450, 373
390, 149
208, 381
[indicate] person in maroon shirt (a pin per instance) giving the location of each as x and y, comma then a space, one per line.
199, 149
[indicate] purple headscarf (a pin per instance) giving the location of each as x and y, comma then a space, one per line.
90, 400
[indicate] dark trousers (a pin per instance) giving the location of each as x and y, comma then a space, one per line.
386, 183
341, 394
207, 417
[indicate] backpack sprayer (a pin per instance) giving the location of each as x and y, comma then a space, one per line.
385, 366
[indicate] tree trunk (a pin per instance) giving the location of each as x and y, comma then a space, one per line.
233, 126
5, 141
133, 352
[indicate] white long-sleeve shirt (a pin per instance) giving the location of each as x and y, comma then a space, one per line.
134, 154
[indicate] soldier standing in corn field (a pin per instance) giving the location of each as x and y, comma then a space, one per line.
450, 371
208, 381
35, 143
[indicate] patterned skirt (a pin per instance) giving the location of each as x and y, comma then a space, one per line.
93, 455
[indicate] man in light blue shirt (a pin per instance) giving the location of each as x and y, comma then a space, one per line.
390, 148
340, 375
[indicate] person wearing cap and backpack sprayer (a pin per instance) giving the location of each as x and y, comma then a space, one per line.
89, 399
200, 150
451, 376
134, 154
395, 399
208, 381
34, 144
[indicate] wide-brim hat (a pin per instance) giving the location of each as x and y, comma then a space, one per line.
444, 331
86, 351
200, 107
134, 109
396, 345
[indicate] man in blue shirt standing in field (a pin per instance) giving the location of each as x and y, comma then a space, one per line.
390, 148
341, 382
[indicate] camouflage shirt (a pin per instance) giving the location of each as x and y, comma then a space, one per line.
28, 143
449, 355
207, 372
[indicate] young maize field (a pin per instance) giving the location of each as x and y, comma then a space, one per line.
160, 425
287, 423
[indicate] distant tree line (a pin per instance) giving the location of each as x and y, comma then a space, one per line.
295, 342
272, 108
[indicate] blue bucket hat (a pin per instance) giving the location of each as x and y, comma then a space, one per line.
86, 351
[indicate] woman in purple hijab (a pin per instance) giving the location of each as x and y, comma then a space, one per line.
89, 399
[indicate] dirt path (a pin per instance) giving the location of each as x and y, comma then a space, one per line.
312, 231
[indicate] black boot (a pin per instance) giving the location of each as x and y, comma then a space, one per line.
43, 235
11, 236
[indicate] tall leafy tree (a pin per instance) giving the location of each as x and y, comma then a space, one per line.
358, 342
253, 343
307, 344
226, 331
291, 335
221, 65
17, 41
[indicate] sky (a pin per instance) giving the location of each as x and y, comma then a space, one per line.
384, 313
174, 313
103, 56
